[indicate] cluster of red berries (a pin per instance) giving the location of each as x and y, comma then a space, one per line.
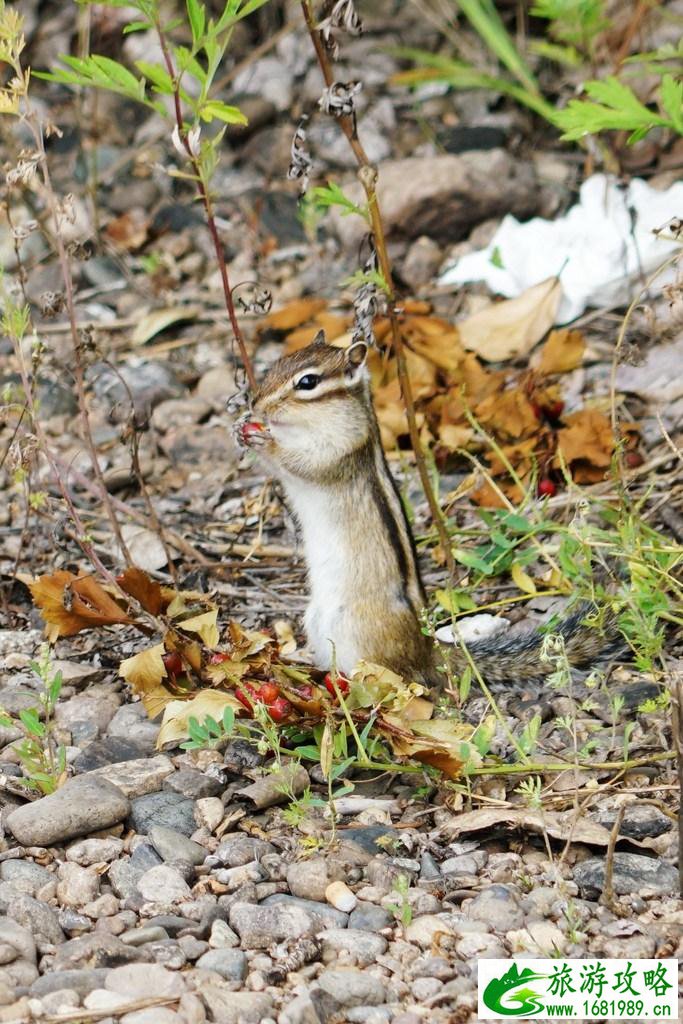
279, 708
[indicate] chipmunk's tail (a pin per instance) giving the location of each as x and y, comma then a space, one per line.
517, 657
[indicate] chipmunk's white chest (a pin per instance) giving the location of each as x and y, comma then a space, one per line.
333, 559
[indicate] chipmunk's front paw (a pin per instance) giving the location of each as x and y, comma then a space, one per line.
250, 432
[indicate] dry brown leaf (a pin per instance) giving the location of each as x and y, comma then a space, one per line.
510, 414
294, 314
487, 496
519, 456
512, 327
562, 825
285, 636
562, 352
70, 603
586, 438
453, 436
129, 231
158, 320
205, 627
144, 671
435, 339
334, 326
144, 589
437, 742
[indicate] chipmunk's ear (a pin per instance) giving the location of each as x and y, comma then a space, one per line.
320, 340
354, 359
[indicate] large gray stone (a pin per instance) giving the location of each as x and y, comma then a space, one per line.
80, 806
230, 1007
632, 872
231, 964
26, 876
168, 809
174, 846
443, 197
82, 981
349, 986
260, 927
37, 917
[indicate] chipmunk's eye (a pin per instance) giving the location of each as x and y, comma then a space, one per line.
307, 382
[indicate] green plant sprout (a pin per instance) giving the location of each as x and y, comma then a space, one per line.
42, 759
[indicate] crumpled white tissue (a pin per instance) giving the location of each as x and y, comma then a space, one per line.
600, 248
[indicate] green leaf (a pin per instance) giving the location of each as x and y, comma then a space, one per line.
308, 752
568, 56
617, 109
197, 16
216, 109
197, 732
228, 720
31, 722
212, 725
137, 26
486, 21
187, 62
472, 561
672, 100
233, 13
158, 76
117, 74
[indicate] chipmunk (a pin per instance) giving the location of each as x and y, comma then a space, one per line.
314, 423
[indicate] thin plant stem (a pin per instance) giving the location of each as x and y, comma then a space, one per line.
77, 369
367, 175
205, 196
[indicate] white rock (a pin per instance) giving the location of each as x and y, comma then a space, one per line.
340, 897
101, 999
209, 812
137, 777
77, 886
94, 851
222, 936
163, 884
137, 981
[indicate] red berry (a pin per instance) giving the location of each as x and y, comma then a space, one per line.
342, 685
249, 429
555, 409
268, 693
173, 663
218, 657
546, 488
633, 459
245, 701
279, 709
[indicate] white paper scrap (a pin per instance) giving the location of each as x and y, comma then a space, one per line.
601, 248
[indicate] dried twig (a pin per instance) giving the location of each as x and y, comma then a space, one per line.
86, 1016
608, 888
367, 175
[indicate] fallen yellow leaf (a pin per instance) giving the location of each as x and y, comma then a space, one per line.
512, 327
